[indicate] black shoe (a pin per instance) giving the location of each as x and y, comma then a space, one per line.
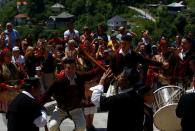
92, 128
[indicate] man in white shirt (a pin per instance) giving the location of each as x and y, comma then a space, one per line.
71, 34
124, 32
16, 57
126, 109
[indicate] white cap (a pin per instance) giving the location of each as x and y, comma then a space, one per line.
9, 24
38, 68
15, 48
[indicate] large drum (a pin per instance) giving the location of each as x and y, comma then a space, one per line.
166, 99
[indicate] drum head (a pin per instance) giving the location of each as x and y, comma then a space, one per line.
165, 119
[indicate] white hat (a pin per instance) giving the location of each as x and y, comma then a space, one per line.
38, 68
9, 24
15, 48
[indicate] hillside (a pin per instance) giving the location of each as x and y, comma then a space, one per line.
92, 12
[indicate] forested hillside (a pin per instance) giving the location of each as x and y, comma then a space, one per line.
92, 12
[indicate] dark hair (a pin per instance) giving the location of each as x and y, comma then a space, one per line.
190, 40
69, 23
68, 60
54, 34
143, 89
100, 25
127, 38
192, 58
17, 40
85, 27
30, 82
132, 75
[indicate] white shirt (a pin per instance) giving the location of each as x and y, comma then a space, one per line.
122, 53
20, 59
190, 90
185, 52
119, 36
145, 41
40, 121
72, 81
125, 91
99, 90
66, 33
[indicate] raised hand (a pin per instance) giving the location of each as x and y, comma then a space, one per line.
106, 75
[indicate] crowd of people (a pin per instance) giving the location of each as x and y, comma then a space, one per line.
64, 69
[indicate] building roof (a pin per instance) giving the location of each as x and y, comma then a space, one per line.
176, 4
116, 19
152, 5
57, 5
21, 16
63, 15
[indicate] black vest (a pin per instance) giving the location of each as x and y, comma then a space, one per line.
148, 122
22, 112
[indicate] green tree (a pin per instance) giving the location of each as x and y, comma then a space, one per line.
8, 12
34, 9
180, 22
189, 27
78, 7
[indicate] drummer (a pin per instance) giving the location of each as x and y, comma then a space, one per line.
186, 111
192, 66
147, 93
185, 73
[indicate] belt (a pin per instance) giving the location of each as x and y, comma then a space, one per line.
68, 109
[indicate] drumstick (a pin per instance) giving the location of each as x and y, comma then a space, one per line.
84, 52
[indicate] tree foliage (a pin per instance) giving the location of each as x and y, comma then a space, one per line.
180, 22
8, 13
93, 12
35, 9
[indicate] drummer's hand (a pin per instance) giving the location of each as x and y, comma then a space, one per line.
105, 76
107, 66
15, 87
165, 65
9, 87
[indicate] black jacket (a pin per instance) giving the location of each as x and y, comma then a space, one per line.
68, 97
132, 60
186, 111
22, 112
126, 111
148, 119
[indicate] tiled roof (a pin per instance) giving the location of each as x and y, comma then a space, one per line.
21, 16
116, 19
